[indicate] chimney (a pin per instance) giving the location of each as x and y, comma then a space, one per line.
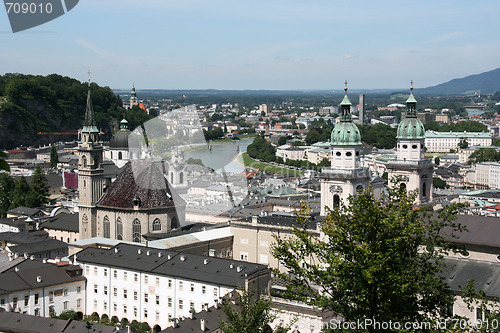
74, 260
183, 257
216, 303
148, 253
44, 260
254, 220
160, 254
205, 261
32, 257
202, 325
39, 279
26, 255
239, 268
117, 250
139, 251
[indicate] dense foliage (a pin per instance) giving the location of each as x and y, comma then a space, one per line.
484, 155
18, 192
262, 149
463, 126
379, 135
370, 263
55, 103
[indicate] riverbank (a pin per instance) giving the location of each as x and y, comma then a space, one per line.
249, 162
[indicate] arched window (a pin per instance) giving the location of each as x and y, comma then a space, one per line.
106, 226
181, 177
359, 189
174, 223
156, 225
402, 187
336, 201
424, 190
111, 155
120, 155
136, 231
84, 161
119, 229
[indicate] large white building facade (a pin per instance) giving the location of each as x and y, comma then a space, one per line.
443, 142
160, 286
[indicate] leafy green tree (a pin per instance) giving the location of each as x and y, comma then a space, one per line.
19, 193
463, 144
484, 155
437, 160
248, 315
282, 140
3, 163
54, 157
378, 259
6, 189
39, 194
439, 183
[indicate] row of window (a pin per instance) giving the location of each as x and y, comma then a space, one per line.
125, 308
146, 295
37, 302
36, 297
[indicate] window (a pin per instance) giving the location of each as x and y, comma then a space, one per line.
156, 225
157, 300
181, 304
26, 300
95, 270
145, 297
119, 229
263, 259
78, 302
215, 292
78, 290
146, 280
105, 305
145, 313
95, 288
125, 276
125, 293
135, 295
136, 277
106, 227
181, 285
115, 292
157, 315
170, 283
37, 312
2, 301
52, 311
192, 287
115, 274
125, 309
65, 305
87, 270
191, 306
105, 290
244, 256
157, 282
105, 272
203, 290
169, 303
37, 299
135, 311
264, 243
14, 302
115, 307
244, 240
136, 231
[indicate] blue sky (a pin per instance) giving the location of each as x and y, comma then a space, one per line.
273, 44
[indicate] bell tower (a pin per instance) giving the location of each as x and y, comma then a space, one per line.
411, 169
346, 176
90, 172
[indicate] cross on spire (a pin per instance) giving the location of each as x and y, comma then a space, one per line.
345, 87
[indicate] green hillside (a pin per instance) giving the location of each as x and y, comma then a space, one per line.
485, 83
31, 104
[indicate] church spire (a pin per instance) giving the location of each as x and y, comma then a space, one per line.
89, 122
411, 103
346, 106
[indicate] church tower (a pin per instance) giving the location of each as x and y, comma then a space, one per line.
90, 172
345, 177
133, 97
411, 168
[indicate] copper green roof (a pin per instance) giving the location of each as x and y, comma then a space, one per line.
411, 127
346, 133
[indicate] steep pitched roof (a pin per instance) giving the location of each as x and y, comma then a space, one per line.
145, 181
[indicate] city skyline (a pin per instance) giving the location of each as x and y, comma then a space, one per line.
279, 45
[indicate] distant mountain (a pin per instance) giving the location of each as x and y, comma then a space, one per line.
485, 83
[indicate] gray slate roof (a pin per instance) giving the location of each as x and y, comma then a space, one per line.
63, 221
193, 267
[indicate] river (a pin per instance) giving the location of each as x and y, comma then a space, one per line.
222, 155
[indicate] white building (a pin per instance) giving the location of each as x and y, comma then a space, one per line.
39, 287
158, 286
444, 141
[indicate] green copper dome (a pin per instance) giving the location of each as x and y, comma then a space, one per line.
411, 127
345, 132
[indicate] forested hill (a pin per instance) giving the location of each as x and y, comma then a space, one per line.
485, 83
31, 104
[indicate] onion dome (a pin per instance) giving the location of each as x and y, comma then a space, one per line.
120, 139
411, 127
345, 132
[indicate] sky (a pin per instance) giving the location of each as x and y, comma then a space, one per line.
271, 44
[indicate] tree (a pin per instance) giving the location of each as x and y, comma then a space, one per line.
6, 188
439, 183
282, 140
39, 194
437, 160
378, 259
18, 194
248, 314
54, 157
3, 163
463, 144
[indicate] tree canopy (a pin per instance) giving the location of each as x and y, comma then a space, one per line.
376, 259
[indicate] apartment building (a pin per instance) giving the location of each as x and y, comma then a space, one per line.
444, 141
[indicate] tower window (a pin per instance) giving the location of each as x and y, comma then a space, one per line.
336, 201
348, 153
106, 227
136, 231
119, 229
414, 146
156, 225
120, 155
338, 153
405, 146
